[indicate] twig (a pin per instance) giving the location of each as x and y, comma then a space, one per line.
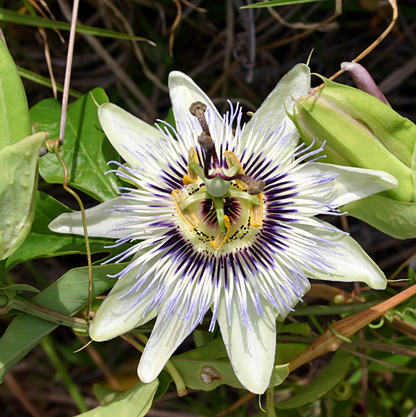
67, 80
68, 70
175, 25
393, 4
17, 390
95, 356
347, 327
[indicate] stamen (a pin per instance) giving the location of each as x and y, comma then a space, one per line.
192, 199
256, 212
232, 161
254, 186
187, 215
197, 169
222, 237
192, 176
243, 181
254, 199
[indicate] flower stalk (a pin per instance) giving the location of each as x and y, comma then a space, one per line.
44, 313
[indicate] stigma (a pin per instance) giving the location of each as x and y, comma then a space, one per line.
212, 181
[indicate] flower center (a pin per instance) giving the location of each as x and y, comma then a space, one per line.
221, 200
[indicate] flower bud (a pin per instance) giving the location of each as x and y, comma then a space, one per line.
359, 130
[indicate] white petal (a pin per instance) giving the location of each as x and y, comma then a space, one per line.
351, 183
121, 313
347, 260
251, 350
126, 132
294, 84
183, 92
168, 333
99, 222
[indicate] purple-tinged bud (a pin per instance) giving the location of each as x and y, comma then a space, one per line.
363, 80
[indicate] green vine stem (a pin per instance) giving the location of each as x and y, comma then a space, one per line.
44, 313
390, 317
271, 411
338, 334
53, 147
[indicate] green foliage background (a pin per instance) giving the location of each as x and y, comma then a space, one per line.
232, 54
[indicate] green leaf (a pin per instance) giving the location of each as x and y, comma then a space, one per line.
18, 184
164, 381
68, 295
201, 337
104, 395
333, 374
214, 349
39, 79
202, 368
413, 166
86, 149
395, 218
296, 328
134, 402
43, 243
15, 17
18, 287
207, 375
276, 3
285, 352
14, 112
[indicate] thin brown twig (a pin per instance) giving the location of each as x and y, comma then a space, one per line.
229, 41
52, 17
243, 400
137, 51
175, 25
19, 393
95, 356
193, 6
379, 361
68, 70
280, 19
402, 266
366, 51
49, 62
393, 4
338, 11
335, 336
119, 72
67, 81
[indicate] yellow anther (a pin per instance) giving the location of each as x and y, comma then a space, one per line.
187, 181
232, 160
191, 177
187, 215
256, 212
222, 237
